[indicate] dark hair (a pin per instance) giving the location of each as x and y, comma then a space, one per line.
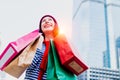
56, 29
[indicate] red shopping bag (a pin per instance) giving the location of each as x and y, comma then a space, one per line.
14, 48
69, 57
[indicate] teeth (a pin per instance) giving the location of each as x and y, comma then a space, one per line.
46, 26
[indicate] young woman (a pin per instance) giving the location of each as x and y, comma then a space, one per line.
37, 70
49, 28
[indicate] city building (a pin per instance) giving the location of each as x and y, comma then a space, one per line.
118, 52
100, 74
89, 30
106, 59
95, 29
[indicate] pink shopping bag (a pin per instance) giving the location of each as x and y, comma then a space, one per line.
14, 48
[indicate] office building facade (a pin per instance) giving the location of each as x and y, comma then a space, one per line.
95, 29
89, 32
118, 52
100, 74
106, 59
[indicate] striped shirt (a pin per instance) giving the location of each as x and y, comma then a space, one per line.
33, 70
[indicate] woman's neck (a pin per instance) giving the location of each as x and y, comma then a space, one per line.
48, 37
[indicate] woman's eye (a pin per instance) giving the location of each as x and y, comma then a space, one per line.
43, 20
50, 19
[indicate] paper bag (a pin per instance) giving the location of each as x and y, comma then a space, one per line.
26, 57
14, 48
20, 63
69, 57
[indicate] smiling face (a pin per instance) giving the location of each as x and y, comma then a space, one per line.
47, 25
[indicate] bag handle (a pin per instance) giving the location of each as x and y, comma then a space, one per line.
44, 61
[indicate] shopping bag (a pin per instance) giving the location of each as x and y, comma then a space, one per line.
69, 56
44, 60
14, 48
55, 71
27, 55
21, 62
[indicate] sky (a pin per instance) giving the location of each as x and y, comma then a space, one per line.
19, 17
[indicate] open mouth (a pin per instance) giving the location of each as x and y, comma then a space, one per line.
47, 25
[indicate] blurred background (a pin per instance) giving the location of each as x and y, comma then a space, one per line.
18, 18
92, 25
96, 33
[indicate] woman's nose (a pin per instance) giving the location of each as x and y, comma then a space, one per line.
46, 22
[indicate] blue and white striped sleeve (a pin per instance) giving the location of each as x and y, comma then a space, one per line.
33, 70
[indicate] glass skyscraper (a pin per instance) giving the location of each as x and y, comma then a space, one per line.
106, 62
118, 52
89, 31
113, 10
95, 30
96, 33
